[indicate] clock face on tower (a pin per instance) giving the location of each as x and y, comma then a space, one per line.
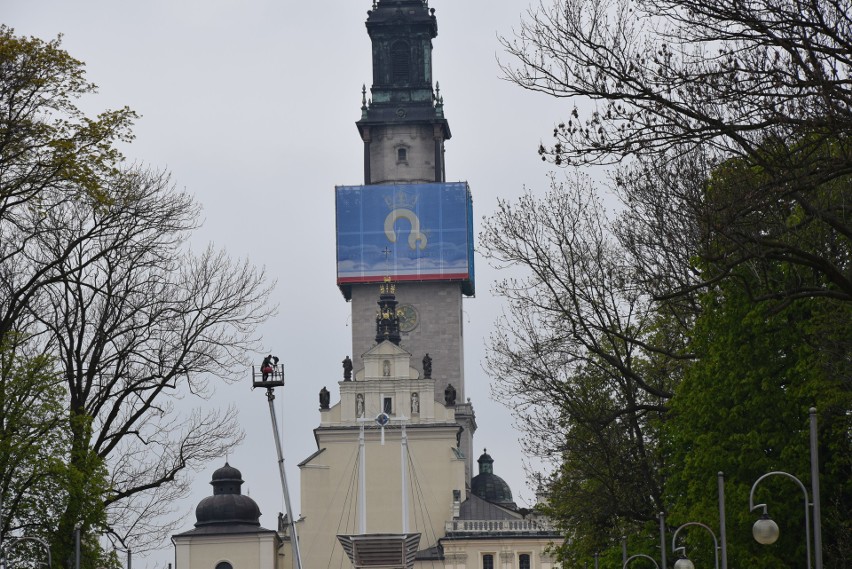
408, 319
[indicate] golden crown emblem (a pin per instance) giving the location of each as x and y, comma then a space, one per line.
401, 200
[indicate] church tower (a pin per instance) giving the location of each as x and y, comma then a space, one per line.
390, 485
406, 222
403, 126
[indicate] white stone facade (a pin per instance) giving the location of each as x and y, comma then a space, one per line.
329, 478
403, 153
241, 551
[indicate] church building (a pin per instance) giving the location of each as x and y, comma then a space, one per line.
393, 482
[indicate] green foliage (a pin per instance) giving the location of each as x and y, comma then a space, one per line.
53, 159
642, 401
608, 484
737, 215
44, 479
86, 488
93, 267
742, 409
46, 143
792, 237
33, 441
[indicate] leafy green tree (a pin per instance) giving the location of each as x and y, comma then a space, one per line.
33, 441
730, 124
38, 482
762, 363
95, 270
742, 409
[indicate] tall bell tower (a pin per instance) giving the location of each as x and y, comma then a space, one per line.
406, 222
403, 126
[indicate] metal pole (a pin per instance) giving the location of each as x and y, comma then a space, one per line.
2, 550
663, 540
77, 547
294, 538
362, 484
722, 523
404, 458
623, 549
815, 488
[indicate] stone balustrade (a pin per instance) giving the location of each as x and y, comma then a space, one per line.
499, 526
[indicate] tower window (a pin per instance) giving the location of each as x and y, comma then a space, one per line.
224, 565
388, 405
400, 62
524, 561
401, 154
487, 561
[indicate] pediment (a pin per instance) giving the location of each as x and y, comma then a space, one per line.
386, 361
385, 349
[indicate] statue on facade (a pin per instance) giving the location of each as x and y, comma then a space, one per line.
427, 367
324, 398
415, 403
347, 369
359, 405
450, 395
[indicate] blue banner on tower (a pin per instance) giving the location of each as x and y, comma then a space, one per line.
409, 232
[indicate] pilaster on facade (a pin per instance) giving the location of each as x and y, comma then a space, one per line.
455, 559
466, 417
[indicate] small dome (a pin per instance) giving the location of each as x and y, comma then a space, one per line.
489, 486
227, 505
227, 472
226, 480
485, 462
227, 509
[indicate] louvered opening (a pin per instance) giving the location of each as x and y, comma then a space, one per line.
400, 62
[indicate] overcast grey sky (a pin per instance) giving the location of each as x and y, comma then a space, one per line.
251, 105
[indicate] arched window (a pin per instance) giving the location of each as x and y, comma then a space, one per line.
400, 62
401, 154
524, 561
487, 561
224, 565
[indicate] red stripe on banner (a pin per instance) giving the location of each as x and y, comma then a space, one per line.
400, 278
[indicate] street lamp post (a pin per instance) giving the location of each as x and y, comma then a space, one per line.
684, 561
637, 556
13, 540
766, 531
